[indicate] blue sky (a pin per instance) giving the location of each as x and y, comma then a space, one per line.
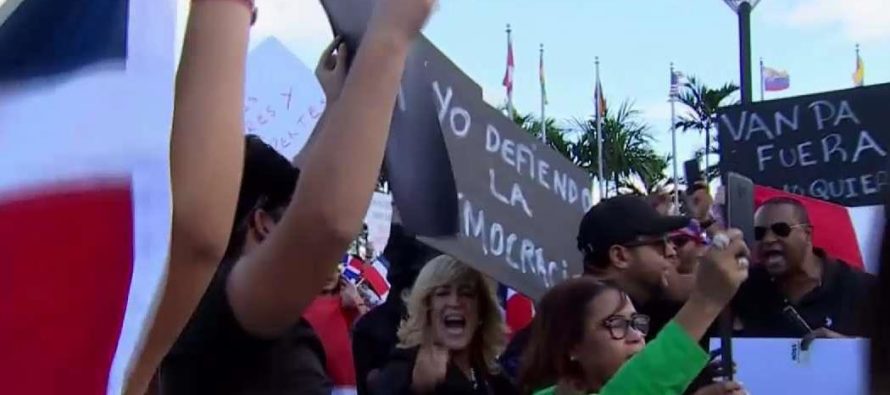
812, 39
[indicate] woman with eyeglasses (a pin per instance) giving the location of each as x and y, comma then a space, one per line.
588, 338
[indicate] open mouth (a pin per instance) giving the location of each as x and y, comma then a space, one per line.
773, 257
455, 324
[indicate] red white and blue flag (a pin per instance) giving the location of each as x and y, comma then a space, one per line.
85, 109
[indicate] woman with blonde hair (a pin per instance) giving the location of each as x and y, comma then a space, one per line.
451, 338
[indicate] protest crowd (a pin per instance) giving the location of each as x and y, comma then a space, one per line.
259, 298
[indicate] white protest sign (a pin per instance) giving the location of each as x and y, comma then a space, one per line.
283, 99
778, 366
378, 220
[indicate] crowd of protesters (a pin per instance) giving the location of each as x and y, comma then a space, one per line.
255, 305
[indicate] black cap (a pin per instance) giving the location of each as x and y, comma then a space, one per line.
268, 175
621, 220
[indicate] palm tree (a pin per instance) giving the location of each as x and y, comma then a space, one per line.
703, 103
556, 138
627, 147
651, 179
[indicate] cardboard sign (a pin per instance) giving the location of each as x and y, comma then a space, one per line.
283, 98
832, 146
518, 202
779, 366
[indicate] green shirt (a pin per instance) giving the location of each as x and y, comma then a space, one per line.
664, 367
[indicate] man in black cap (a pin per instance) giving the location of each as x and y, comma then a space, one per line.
624, 241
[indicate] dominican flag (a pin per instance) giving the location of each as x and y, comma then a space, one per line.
518, 309
85, 110
851, 234
352, 268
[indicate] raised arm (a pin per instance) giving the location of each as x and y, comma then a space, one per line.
269, 288
206, 159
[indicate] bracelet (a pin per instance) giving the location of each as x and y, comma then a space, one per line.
251, 5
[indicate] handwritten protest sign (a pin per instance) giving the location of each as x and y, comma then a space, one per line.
832, 146
378, 219
518, 202
283, 98
778, 366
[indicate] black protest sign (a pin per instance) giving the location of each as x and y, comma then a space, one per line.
417, 166
518, 202
832, 146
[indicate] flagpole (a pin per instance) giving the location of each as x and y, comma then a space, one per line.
599, 130
510, 90
674, 147
761, 79
543, 99
858, 65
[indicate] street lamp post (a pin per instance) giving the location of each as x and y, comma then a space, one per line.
743, 9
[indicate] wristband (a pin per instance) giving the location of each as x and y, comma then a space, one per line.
250, 4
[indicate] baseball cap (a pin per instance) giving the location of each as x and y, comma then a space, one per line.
621, 220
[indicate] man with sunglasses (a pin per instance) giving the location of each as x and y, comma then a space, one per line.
796, 289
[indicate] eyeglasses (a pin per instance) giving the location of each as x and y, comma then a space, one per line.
660, 243
618, 326
780, 229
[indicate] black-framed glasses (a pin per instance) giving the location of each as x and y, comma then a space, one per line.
619, 326
780, 229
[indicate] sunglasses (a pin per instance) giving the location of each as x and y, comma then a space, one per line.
619, 326
681, 240
780, 229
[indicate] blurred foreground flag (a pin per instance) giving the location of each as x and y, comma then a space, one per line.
85, 109
775, 80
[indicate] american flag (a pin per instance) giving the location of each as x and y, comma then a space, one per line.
676, 79
84, 188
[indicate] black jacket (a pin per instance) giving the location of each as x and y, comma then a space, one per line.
395, 379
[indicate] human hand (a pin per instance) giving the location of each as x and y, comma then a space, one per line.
722, 270
723, 388
430, 368
403, 18
332, 68
821, 333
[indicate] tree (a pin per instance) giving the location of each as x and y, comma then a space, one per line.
556, 138
703, 103
627, 147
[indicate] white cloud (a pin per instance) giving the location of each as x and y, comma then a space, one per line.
858, 20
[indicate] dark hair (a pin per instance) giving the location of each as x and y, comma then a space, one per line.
267, 183
556, 329
799, 209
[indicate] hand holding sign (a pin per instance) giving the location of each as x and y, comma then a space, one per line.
332, 68
403, 18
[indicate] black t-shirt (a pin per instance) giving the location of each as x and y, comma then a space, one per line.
839, 303
215, 355
395, 379
374, 338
